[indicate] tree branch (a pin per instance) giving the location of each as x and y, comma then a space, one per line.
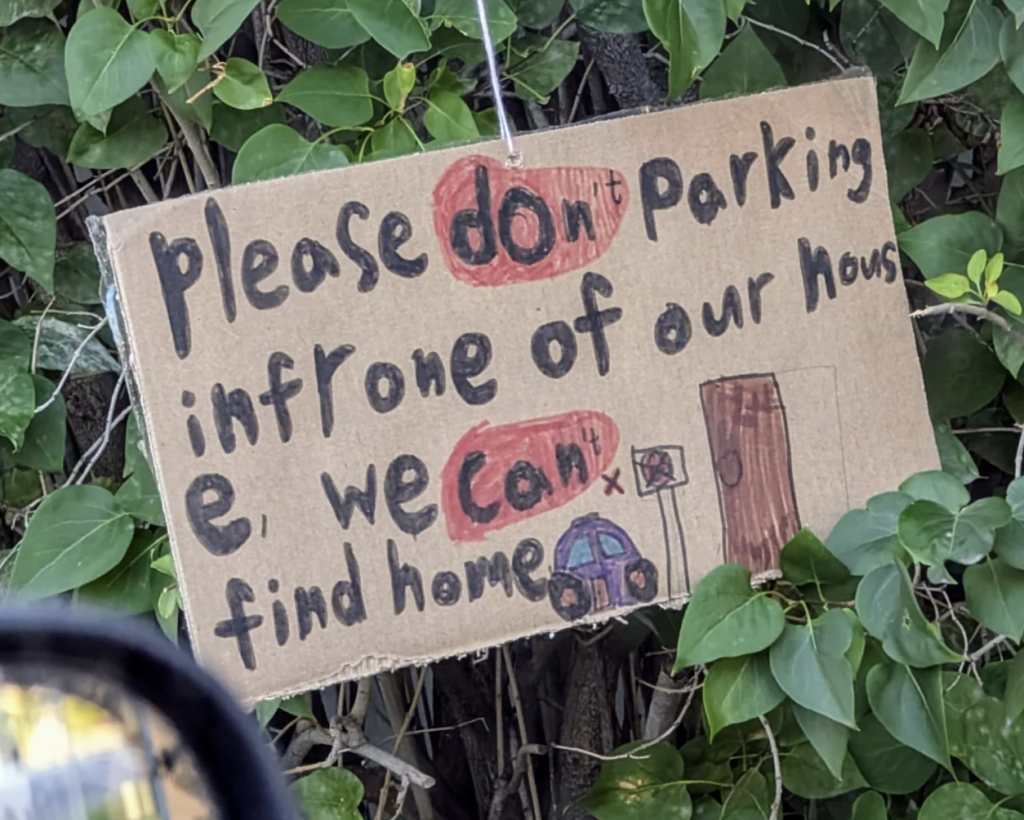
948, 308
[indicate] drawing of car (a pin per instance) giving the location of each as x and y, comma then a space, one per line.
598, 567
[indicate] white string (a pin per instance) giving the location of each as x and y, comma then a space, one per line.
492, 72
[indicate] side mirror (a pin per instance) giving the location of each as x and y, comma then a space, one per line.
98, 710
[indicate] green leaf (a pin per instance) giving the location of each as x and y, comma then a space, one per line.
200, 110
328, 23
744, 67
107, 61
726, 618
739, 689
612, 16
692, 33
887, 764
748, 800
1008, 302
448, 118
329, 794
143, 9
231, 127
396, 139
995, 596
133, 136
937, 486
810, 666
890, 613
866, 539
949, 285
967, 53
946, 243
707, 808
168, 625
828, 738
954, 801
1011, 135
873, 36
76, 276
922, 16
131, 585
537, 13
954, 457
1016, 7
934, 534
17, 402
48, 126
337, 96
45, 437
243, 86
299, 706
169, 602
139, 496
76, 536
15, 346
1009, 344
393, 24
278, 151
1014, 696
13, 10
806, 775
909, 155
462, 15
1010, 539
7, 147
1011, 49
649, 785
28, 226
58, 341
908, 702
32, 65
541, 72
961, 374
398, 82
218, 20
804, 560
869, 806
165, 564
997, 757
175, 56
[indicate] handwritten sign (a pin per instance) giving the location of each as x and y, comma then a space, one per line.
415, 408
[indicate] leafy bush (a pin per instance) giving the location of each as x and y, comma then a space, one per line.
877, 674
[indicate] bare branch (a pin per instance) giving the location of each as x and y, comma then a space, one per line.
71, 364
777, 802
949, 308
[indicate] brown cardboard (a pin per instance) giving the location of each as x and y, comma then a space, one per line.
702, 441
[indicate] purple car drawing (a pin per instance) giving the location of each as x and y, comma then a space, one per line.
598, 567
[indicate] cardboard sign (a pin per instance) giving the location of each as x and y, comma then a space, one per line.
414, 408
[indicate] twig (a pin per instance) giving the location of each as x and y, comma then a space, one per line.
976, 656
361, 702
1019, 458
39, 329
828, 55
195, 144
972, 430
523, 741
144, 187
504, 788
579, 90
398, 742
635, 753
949, 308
499, 718
777, 802
71, 364
104, 440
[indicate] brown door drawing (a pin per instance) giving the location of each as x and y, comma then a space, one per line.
749, 440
